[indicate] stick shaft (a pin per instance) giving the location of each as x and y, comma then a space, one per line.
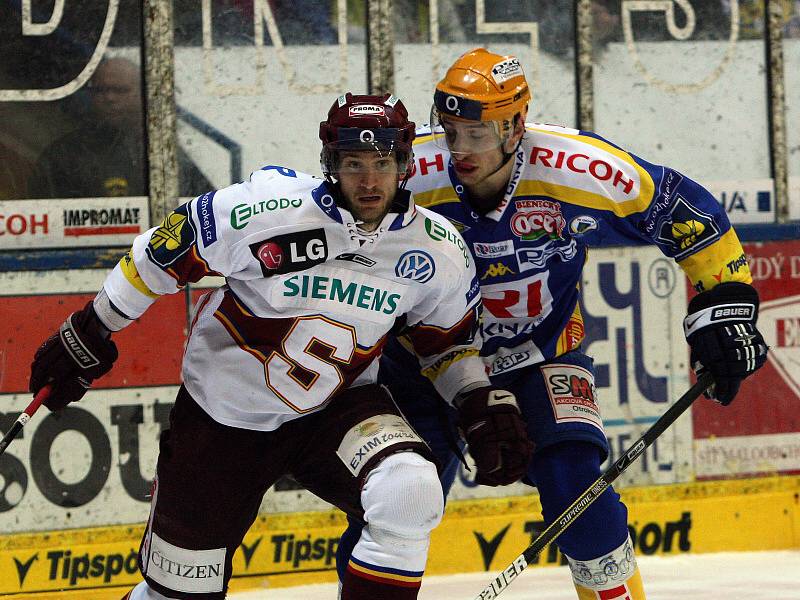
23, 419
566, 518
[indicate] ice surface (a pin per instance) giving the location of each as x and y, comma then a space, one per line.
724, 576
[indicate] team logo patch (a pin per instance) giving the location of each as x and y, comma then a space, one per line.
415, 265
687, 229
504, 363
507, 69
493, 249
366, 110
173, 238
582, 224
291, 252
537, 258
271, 255
572, 391
536, 219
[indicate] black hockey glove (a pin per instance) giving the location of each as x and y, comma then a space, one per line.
492, 425
721, 331
72, 358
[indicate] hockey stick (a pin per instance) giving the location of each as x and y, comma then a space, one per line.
23, 419
557, 527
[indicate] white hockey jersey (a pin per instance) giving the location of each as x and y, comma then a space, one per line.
309, 299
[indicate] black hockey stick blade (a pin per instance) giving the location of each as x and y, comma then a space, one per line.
557, 527
23, 419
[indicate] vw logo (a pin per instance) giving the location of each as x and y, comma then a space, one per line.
415, 265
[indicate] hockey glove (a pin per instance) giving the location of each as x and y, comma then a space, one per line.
492, 425
72, 358
721, 331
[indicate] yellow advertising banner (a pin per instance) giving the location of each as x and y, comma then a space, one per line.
476, 535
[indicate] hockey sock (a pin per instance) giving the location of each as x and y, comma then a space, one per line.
346, 544
597, 545
562, 473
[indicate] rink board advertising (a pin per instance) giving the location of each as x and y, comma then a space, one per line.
72, 222
476, 535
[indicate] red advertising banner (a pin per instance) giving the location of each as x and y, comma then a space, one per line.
150, 349
760, 431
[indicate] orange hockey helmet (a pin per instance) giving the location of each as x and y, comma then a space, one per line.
481, 86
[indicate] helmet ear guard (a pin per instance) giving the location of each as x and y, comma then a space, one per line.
367, 123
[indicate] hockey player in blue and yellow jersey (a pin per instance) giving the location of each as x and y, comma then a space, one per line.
529, 199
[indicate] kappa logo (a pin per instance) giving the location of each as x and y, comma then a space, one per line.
415, 265
497, 270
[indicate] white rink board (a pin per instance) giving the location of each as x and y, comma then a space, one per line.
270, 101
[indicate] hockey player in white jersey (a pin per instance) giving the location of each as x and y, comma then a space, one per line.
281, 363
529, 200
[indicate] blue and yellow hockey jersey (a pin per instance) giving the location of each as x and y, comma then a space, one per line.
570, 190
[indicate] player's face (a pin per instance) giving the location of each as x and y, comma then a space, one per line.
368, 181
476, 147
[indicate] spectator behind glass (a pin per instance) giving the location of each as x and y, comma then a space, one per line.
105, 155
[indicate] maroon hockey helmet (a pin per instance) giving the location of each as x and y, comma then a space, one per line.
361, 122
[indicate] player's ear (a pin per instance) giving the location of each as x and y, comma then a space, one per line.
519, 124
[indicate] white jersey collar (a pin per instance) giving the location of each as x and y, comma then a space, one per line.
401, 215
